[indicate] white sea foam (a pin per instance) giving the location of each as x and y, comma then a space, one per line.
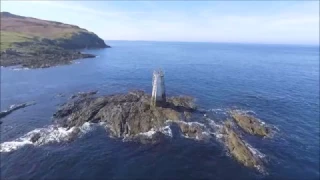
166, 130
19, 69
213, 124
188, 123
219, 111
148, 133
241, 111
254, 151
216, 110
216, 128
50, 134
218, 135
205, 134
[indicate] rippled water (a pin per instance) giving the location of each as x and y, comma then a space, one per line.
279, 84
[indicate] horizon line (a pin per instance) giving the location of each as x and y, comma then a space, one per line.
217, 42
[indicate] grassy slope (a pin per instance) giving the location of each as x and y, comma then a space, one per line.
9, 38
22, 29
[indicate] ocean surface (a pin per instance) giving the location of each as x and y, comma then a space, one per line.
277, 83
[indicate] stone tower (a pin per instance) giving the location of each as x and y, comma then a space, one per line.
158, 89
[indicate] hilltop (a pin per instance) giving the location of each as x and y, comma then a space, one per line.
37, 43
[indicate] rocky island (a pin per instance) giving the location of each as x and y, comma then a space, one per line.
35, 43
140, 117
145, 118
126, 115
132, 117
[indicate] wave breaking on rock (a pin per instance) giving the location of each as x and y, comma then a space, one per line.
47, 135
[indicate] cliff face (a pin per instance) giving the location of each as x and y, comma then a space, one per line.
81, 40
38, 43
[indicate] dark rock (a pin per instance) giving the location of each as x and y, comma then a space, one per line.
35, 137
84, 94
48, 41
183, 101
14, 108
11, 52
36, 55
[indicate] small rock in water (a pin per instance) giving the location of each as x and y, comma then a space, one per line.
83, 94
60, 95
250, 124
15, 107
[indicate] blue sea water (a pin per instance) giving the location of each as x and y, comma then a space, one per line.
278, 83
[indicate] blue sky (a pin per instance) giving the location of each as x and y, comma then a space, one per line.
284, 22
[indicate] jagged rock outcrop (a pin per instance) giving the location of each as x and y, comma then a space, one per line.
238, 148
250, 124
124, 114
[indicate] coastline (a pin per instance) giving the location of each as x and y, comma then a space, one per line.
34, 60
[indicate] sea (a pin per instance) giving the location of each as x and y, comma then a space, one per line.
278, 84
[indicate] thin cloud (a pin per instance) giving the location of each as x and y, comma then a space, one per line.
73, 6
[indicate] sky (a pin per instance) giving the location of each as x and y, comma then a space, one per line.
267, 22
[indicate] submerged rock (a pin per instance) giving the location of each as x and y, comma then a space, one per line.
238, 148
83, 94
125, 114
250, 124
14, 108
